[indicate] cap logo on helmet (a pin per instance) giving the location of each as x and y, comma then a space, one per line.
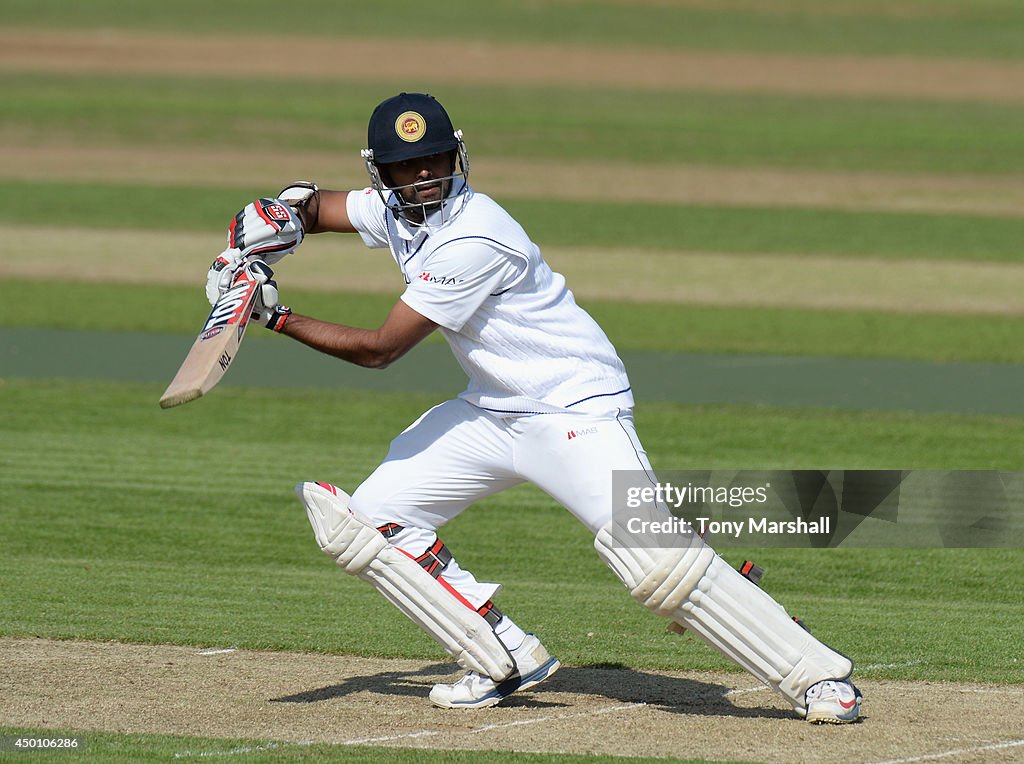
410, 126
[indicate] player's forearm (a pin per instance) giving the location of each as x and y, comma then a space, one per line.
332, 213
363, 347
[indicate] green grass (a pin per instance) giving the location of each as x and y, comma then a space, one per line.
851, 334
118, 748
750, 230
629, 125
762, 230
119, 517
985, 29
123, 522
630, 326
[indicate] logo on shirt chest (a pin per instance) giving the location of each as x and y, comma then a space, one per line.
580, 433
431, 278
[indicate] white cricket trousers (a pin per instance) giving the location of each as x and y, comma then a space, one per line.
456, 454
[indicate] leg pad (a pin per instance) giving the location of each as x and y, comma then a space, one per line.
433, 604
697, 589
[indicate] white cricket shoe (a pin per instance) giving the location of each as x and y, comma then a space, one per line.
533, 665
833, 702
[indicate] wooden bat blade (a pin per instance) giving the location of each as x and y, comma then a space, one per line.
202, 369
217, 344
175, 395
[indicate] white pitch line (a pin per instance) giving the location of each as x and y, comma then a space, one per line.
957, 752
388, 738
241, 751
506, 725
745, 690
218, 652
538, 720
487, 727
406, 735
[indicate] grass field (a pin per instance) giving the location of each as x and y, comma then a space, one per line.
922, 27
732, 215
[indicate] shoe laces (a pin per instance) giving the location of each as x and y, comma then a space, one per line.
823, 690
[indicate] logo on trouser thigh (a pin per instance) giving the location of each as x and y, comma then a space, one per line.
580, 433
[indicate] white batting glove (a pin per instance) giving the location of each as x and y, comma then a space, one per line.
266, 228
273, 318
222, 273
267, 312
225, 268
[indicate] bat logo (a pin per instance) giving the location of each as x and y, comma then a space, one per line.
229, 308
216, 346
211, 333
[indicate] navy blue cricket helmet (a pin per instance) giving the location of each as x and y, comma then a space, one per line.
408, 126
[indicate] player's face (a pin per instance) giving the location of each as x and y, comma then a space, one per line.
419, 181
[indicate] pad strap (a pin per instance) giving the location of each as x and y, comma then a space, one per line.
389, 530
435, 559
431, 602
490, 613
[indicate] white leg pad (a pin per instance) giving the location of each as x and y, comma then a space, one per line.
698, 589
360, 549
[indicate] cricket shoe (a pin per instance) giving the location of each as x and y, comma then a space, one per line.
833, 702
533, 665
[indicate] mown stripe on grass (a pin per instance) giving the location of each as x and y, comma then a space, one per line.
823, 282
859, 384
345, 433
170, 308
573, 180
361, 59
840, 9
636, 227
341, 264
555, 122
984, 30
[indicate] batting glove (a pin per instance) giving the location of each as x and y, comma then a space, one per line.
267, 228
273, 318
267, 312
222, 273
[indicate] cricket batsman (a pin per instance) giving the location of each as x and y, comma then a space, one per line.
548, 402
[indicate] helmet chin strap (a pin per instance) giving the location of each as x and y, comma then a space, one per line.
417, 213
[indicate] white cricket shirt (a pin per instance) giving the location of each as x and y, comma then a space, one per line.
512, 324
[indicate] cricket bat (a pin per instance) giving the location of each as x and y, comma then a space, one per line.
217, 344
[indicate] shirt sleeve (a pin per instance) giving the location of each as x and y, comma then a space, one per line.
367, 214
458, 278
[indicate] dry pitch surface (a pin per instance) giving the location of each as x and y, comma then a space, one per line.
305, 698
